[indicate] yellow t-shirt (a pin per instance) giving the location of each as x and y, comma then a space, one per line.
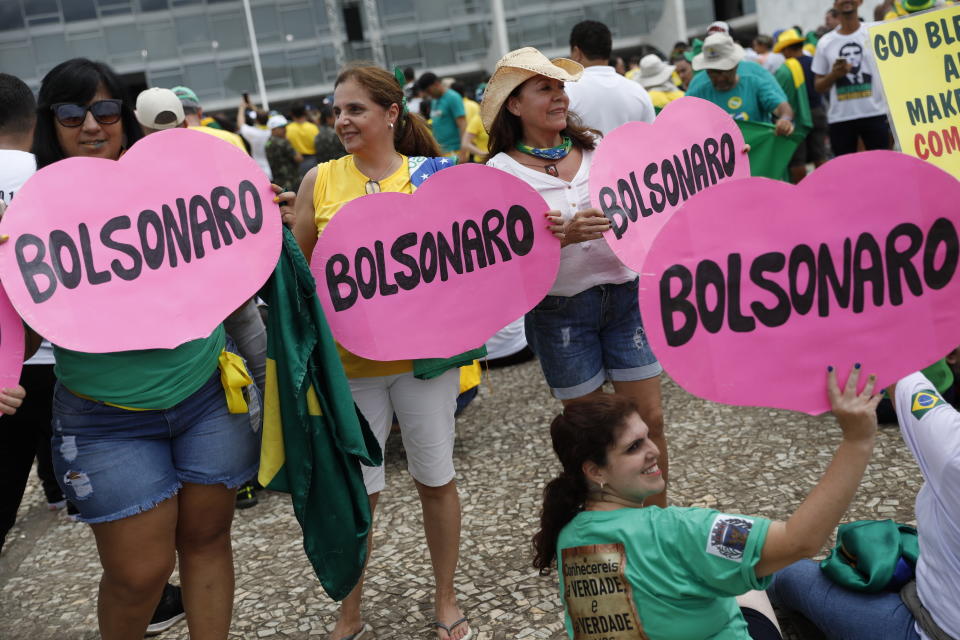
338, 182
301, 135
661, 99
226, 136
470, 108
481, 139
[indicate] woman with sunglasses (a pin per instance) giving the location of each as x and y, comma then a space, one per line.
144, 444
389, 150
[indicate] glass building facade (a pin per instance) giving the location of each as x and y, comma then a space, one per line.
205, 44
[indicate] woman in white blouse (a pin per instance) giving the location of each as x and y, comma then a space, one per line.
588, 329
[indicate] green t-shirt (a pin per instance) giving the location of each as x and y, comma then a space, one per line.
443, 118
145, 379
671, 572
754, 97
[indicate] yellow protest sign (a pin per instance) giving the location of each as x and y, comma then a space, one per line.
919, 62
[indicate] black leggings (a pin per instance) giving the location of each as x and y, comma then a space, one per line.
759, 626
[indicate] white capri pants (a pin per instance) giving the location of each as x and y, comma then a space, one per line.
425, 410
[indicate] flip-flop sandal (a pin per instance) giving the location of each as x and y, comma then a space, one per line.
449, 628
359, 635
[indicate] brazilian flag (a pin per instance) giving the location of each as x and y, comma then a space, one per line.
769, 153
313, 439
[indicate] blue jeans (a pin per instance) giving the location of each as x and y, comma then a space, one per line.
841, 613
593, 336
114, 463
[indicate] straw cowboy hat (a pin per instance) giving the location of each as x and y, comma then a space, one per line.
654, 71
514, 69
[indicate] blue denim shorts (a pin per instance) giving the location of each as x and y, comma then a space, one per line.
591, 337
113, 463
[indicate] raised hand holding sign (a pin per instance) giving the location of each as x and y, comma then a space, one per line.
749, 307
438, 272
150, 251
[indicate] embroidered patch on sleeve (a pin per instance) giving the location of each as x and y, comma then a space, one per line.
922, 402
728, 537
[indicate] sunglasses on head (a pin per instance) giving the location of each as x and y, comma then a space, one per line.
70, 114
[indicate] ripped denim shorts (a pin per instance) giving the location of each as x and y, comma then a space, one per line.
113, 463
593, 336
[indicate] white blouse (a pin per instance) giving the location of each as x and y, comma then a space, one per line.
584, 264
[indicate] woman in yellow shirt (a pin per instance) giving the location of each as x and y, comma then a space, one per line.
385, 144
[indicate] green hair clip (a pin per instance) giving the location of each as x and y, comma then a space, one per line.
401, 80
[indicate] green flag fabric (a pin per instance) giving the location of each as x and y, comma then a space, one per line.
868, 553
313, 439
769, 153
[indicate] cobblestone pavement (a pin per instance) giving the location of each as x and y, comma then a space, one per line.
753, 461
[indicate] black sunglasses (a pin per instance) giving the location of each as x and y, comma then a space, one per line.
70, 114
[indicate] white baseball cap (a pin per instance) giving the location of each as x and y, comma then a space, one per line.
159, 109
276, 121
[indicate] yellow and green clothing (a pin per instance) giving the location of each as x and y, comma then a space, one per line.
791, 78
898, 11
141, 379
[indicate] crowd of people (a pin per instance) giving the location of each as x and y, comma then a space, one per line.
190, 457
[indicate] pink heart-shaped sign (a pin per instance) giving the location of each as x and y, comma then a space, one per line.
11, 343
435, 273
758, 286
642, 173
147, 252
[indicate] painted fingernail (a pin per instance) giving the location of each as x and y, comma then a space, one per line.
856, 366
829, 369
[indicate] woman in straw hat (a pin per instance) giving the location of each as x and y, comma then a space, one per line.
588, 329
390, 149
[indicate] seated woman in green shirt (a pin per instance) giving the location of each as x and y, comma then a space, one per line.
628, 572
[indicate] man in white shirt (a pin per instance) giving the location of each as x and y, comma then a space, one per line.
844, 67
603, 99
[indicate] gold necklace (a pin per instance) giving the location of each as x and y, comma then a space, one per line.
373, 184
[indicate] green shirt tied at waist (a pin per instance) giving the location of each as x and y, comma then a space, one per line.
144, 379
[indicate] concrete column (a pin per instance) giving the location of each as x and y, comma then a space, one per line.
373, 33
336, 29
671, 28
500, 43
